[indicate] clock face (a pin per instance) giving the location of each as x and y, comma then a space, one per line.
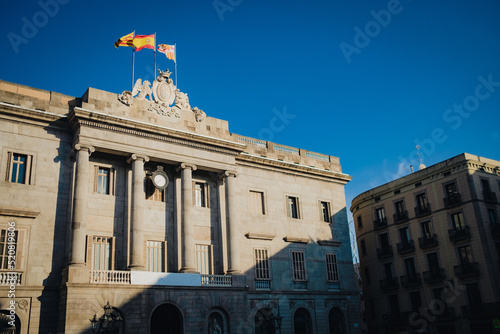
160, 180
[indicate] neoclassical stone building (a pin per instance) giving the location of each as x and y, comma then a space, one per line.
154, 216
429, 247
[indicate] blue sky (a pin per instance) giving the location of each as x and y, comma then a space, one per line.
362, 80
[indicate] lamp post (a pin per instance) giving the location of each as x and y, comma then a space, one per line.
109, 323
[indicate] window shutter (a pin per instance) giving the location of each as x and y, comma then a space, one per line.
28, 176
112, 240
88, 260
207, 195
96, 177
9, 165
193, 190
145, 255
112, 173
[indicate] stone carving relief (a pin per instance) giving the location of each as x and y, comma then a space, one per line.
162, 95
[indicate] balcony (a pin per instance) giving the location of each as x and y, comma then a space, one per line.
379, 223
300, 285
110, 276
421, 211
428, 242
406, 247
467, 270
452, 200
216, 280
495, 230
434, 276
10, 277
385, 252
400, 217
389, 284
457, 235
262, 285
410, 281
490, 197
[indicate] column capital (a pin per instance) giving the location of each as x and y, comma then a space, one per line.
80, 146
228, 173
135, 156
186, 165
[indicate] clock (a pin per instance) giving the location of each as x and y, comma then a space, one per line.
159, 178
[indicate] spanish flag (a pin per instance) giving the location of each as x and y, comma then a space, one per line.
126, 40
144, 41
168, 50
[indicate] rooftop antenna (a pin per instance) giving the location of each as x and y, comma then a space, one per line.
420, 161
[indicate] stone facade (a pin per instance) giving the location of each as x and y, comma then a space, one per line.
429, 246
246, 233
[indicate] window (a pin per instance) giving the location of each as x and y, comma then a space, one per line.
331, 267
104, 180
416, 301
451, 190
486, 186
201, 194
410, 267
293, 207
363, 247
389, 271
153, 193
325, 211
261, 264
421, 201
474, 295
465, 255
399, 207
101, 253
204, 259
360, 222
492, 216
457, 221
433, 262
380, 215
394, 304
427, 231
298, 266
155, 252
404, 234
367, 276
19, 168
257, 202
384, 240
5, 262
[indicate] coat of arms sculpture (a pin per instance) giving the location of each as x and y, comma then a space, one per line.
163, 94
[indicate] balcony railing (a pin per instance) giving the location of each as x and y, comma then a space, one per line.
216, 280
389, 284
421, 211
490, 196
10, 277
406, 247
452, 200
428, 241
466, 270
262, 285
110, 276
300, 285
409, 281
385, 252
459, 234
434, 276
333, 286
379, 223
400, 217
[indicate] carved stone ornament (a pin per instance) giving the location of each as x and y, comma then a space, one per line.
163, 94
23, 303
253, 304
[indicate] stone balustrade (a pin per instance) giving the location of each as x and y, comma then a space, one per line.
10, 277
110, 276
216, 280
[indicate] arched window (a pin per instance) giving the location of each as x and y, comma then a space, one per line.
336, 321
264, 323
302, 323
167, 319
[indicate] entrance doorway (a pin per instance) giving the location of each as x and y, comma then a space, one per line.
167, 319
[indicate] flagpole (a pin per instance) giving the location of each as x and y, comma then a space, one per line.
154, 45
175, 62
133, 61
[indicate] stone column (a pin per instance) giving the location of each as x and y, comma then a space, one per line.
79, 223
187, 228
233, 224
137, 219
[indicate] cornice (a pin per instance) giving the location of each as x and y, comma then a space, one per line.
25, 113
22, 213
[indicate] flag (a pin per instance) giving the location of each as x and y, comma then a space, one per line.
125, 40
168, 50
144, 41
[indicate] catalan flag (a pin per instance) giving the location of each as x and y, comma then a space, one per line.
144, 41
168, 50
126, 40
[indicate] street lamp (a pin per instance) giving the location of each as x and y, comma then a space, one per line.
109, 323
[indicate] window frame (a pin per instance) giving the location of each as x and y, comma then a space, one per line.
111, 179
322, 206
332, 269
461, 226
210, 257
28, 170
204, 190
163, 252
253, 210
289, 208
262, 268
90, 251
298, 262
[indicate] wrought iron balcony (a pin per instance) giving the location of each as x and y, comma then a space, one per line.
452, 200
406, 247
379, 223
467, 270
389, 284
456, 234
421, 211
400, 217
428, 242
385, 252
490, 196
434, 276
409, 281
